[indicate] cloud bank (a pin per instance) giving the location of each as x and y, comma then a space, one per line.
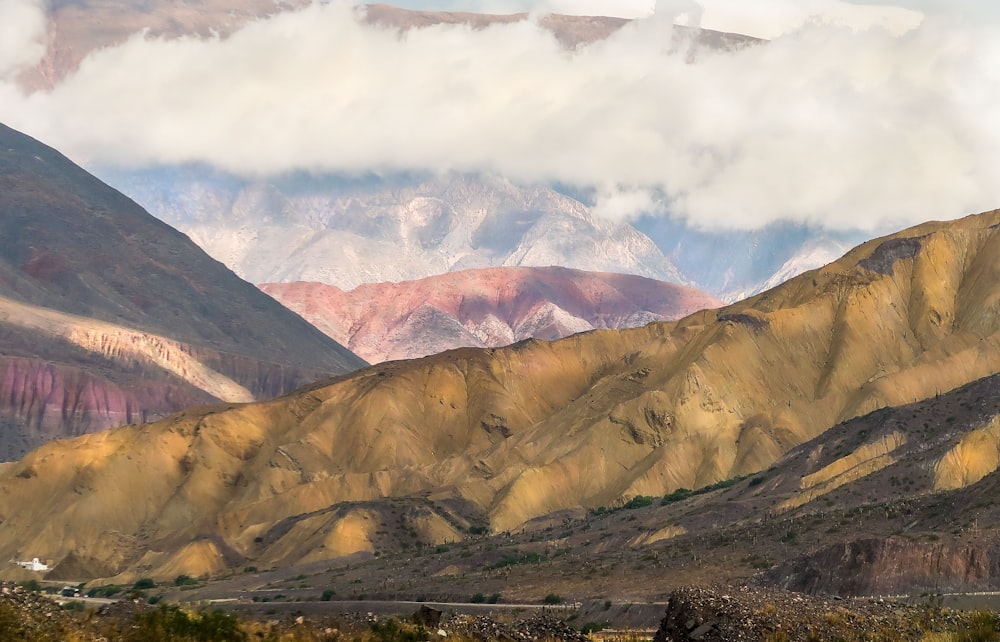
832, 123
22, 35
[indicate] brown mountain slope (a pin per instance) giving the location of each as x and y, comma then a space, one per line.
483, 308
858, 510
506, 435
108, 316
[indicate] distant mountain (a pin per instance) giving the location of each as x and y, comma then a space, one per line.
478, 438
109, 316
348, 232
736, 264
489, 307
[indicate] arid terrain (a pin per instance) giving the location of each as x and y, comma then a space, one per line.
425, 452
487, 308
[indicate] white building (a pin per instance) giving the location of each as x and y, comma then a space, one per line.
34, 565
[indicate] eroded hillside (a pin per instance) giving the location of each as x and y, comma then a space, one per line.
501, 436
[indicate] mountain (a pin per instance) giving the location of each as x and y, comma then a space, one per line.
346, 232
494, 438
482, 308
110, 316
736, 264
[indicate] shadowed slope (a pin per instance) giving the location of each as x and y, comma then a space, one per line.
511, 434
93, 288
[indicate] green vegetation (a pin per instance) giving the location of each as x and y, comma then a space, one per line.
552, 598
144, 584
32, 585
519, 558
328, 595
185, 580
171, 624
981, 627
105, 591
593, 627
639, 501
392, 631
683, 493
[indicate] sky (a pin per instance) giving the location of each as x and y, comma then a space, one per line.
853, 115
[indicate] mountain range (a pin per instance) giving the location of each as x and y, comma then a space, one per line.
109, 316
292, 228
496, 438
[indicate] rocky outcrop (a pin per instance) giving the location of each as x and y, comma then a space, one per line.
483, 308
742, 614
893, 566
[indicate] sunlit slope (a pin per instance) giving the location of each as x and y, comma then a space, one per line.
505, 435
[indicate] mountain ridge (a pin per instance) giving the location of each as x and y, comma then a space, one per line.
96, 294
502, 436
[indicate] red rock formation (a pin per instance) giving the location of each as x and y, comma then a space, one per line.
483, 308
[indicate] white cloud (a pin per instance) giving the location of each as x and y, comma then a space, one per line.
22, 35
836, 125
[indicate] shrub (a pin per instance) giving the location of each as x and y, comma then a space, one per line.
676, 496
478, 598
552, 598
593, 627
144, 584
493, 599
184, 580
327, 595
169, 623
392, 631
639, 501
981, 627
32, 585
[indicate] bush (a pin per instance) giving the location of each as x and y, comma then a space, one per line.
144, 584
678, 495
478, 598
104, 591
493, 599
32, 585
639, 501
170, 623
328, 595
184, 580
982, 627
552, 598
392, 631
593, 627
